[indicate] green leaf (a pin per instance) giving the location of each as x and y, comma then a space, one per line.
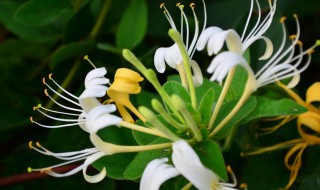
71, 50
133, 25
37, 34
245, 110
173, 87
271, 108
143, 138
205, 107
203, 89
142, 159
238, 83
41, 12
211, 156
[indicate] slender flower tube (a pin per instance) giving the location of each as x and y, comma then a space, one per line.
125, 82
84, 105
187, 163
172, 55
88, 155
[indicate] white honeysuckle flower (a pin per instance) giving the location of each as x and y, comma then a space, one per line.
284, 63
171, 55
187, 163
214, 37
84, 105
88, 155
156, 173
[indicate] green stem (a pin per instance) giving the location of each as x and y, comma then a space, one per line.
176, 36
100, 20
222, 96
141, 129
249, 89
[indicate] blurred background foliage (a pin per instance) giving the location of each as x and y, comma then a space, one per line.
38, 37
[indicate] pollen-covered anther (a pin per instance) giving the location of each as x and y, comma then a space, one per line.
44, 80
161, 5
243, 186
300, 43
50, 76
30, 144
178, 4
283, 19
86, 57
293, 36
38, 144
295, 15
229, 169
192, 5
46, 92
31, 119
29, 169
311, 51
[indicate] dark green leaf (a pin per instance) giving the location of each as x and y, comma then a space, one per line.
211, 156
205, 107
133, 25
138, 164
271, 108
71, 50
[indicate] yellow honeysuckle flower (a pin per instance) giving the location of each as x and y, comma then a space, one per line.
306, 122
125, 82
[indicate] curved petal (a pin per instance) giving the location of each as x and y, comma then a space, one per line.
95, 73
294, 80
98, 177
94, 92
173, 56
156, 173
83, 126
205, 35
97, 81
197, 74
158, 59
231, 38
313, 93
269, 46
88, 103
189, 165
223, 62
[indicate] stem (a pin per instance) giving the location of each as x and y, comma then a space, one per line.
141, 129
222, 96
249, 89
176, 36
100, 19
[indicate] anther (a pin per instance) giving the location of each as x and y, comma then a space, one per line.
86, 57
299, 43
31, 119
178, 4
44, 80
46, 92
318, 43
283, 19
311, 51
50, 76
161, 5
38, 144
30, 144
243, 186
45, 170
192, 5
270, 1
295, 15
292, 37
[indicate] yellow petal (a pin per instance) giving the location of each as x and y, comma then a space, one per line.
124, 113
128, 74
125, 86
313, 93
310, 120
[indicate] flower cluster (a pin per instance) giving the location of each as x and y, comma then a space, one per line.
186, 125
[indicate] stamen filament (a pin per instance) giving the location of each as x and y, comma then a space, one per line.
60, 87
53, 111
141, 129
65, 107
57, 93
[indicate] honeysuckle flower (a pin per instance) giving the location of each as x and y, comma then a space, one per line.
187, 163
172, 55
308, 125
84, 104
88, 155
284, 63
125, 82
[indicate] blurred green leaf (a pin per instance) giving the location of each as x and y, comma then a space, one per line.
133, 25
173, 87
138, 164
41, 12
245, 110
71, 50
206, 105
211, 156
272, 108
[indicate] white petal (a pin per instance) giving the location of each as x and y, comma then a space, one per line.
189, 165
99, 118
295, 80
98, 177
216, 42
94, 92
95, 73
269, 46
173, 56
97, 82
156, 173
88, 103
100, 144
205, 35
83, 125
159, 60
